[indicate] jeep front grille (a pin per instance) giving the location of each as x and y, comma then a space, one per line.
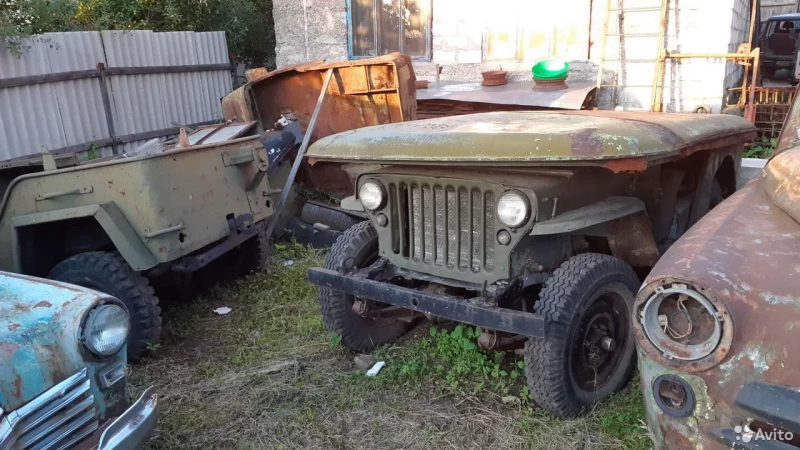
443, 224
58, 419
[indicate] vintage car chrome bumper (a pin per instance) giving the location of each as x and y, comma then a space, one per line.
65, 416
447, 307
134, 427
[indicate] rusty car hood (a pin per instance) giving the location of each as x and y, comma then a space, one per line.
782, 181
747, 251
535, 137
39, 332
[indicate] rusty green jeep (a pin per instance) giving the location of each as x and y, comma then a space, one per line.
536, 227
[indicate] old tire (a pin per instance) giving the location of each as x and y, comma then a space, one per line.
567, 371
109, 273
337, 220
355, 248
254, 254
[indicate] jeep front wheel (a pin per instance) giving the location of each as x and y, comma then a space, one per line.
356, 248
109, 273
587, 353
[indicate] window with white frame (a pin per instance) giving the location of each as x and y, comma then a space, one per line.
378, 27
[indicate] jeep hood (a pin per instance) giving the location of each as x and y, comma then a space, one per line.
39, 326
536, 138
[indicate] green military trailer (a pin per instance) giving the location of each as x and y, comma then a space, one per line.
116, 225
536, 227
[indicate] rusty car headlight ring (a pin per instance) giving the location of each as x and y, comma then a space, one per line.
675, 348
506, 205
105, 329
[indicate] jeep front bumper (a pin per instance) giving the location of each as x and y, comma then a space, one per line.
446, 307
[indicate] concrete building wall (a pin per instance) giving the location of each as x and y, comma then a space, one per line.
317, 29
307, 30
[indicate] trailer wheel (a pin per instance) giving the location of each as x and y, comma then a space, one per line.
588, 351
108, 272
254, 254
356, 248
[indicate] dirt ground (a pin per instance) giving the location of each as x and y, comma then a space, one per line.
269, 376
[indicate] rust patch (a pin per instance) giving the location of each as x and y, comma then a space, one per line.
17, 385
631, 239
14, 327
7, 350
43, 304
626, 165
586, 143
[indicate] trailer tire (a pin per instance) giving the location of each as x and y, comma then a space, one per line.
588, 293
355, 248
109, 273
254, 254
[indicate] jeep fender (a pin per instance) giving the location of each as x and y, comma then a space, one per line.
126, 240
622, 220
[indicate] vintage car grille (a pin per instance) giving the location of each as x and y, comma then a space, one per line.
57, 419
443, 224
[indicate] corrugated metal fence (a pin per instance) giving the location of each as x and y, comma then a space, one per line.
771, 8
108, 90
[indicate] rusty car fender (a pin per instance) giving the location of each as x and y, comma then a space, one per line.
746, 254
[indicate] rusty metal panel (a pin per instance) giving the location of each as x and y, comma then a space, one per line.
742, 256
363, 93
514, 93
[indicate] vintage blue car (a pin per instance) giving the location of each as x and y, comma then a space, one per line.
63, 369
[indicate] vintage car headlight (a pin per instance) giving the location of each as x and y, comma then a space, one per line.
371, 195
106, 329
682, 324
513, 209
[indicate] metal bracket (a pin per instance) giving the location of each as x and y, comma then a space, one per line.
52, 195
156, 233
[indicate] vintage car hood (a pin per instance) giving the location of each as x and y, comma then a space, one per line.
782, 181
39, 326
535, 137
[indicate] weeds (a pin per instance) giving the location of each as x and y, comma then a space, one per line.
763, 149
269, 375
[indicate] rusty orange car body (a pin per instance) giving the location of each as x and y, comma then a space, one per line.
716, 320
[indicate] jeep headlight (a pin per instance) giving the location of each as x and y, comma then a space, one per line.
513, 209
371, 195
106, 329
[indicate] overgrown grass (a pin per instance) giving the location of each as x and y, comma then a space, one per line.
268, 375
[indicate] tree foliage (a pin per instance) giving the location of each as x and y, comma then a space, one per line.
248, 24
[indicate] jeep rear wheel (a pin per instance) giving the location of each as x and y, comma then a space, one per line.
109, 273
588, 351
356, 248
